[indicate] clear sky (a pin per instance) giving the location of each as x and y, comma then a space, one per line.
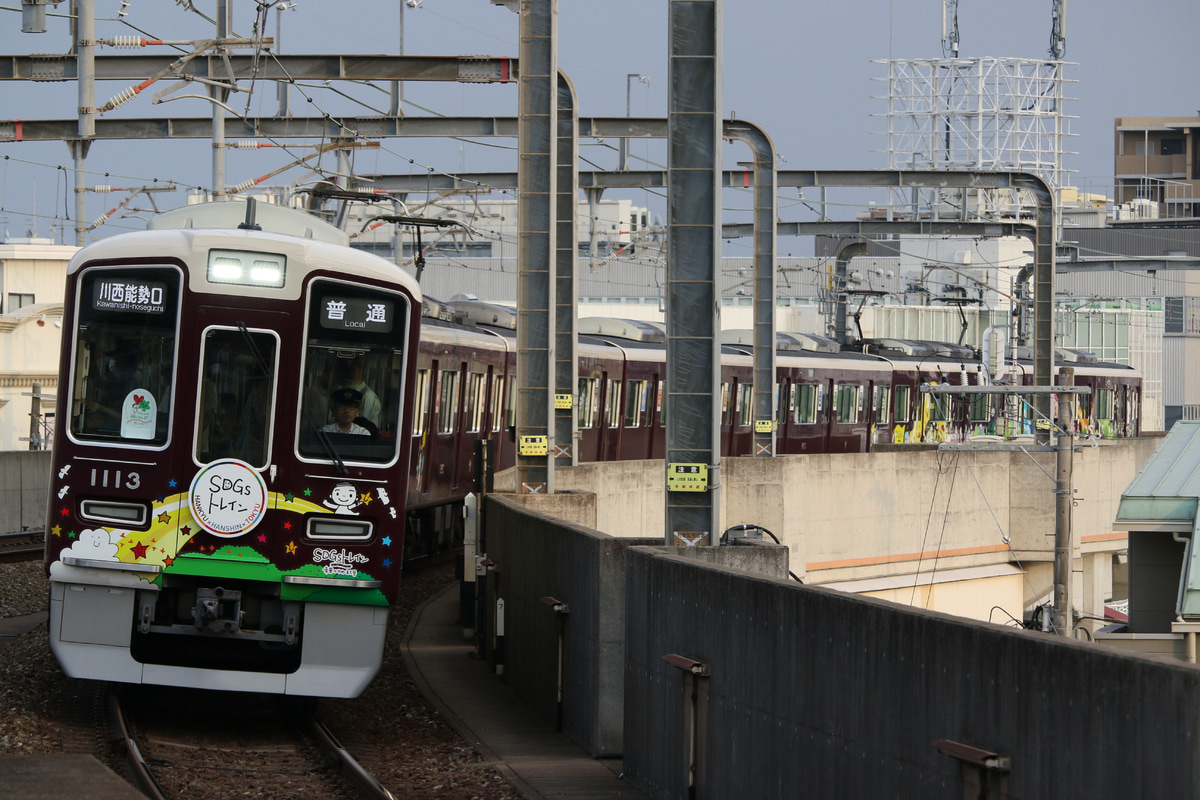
804, 72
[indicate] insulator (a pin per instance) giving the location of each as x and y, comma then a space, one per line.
122, 97
100, 220
127, 41
243, 186
102, 189
246, 144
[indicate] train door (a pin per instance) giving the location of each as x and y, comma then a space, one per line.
741, 418
844, 411
241, 448
653, 407
825, 415
634, 430
445, 423
805, 429
729, 384
422, 402
881, 408
902, 408
658, 434
610, 420
471, 427
587, 397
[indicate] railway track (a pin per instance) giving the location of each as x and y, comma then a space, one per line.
180, 746
22, 546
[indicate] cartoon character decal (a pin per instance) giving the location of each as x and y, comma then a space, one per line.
343, 499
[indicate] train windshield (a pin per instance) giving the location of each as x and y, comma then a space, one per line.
353, 374
237, 395
124, 355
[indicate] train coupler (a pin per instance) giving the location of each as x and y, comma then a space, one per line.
218, 610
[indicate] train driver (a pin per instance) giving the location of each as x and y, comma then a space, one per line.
353, 376
345, 404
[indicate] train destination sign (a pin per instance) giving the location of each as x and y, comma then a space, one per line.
352, 313
128, 294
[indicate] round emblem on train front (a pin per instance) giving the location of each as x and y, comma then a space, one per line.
228, 498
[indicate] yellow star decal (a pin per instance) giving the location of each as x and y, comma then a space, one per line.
366, 498
291, 548
164, 517
56, 530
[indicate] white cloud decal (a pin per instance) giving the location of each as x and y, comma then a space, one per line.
95, 544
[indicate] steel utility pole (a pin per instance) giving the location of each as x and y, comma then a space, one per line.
1063, 493
85, 53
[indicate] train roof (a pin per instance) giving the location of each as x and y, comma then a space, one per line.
233, 214
916, 348
188, 234
631, 329
784, 342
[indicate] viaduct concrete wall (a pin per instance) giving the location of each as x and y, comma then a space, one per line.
815, 693
837, 508
901, 514
24, 489
854, 516
536, 557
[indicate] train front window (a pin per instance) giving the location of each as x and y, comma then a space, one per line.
236, 395
353, 374
124, 355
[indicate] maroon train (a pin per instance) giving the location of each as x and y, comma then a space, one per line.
828, 400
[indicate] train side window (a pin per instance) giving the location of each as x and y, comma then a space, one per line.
474, 402
724, 402
124, 355
662, 408
421, 403
804, 404
497, 395
510, 407
903, 396
613, 403
745, 404
980, 410
447, 405
938, 407
587, 400
780, 402
635, 403
238, 368
845, 403
882, 404
1104, 404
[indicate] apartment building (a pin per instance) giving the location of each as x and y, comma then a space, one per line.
1156, 167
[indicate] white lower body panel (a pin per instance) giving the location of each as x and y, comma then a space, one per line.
91, 628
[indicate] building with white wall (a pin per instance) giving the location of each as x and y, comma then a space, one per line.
32, 278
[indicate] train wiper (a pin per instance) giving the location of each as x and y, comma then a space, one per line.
331, 451
262, 362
